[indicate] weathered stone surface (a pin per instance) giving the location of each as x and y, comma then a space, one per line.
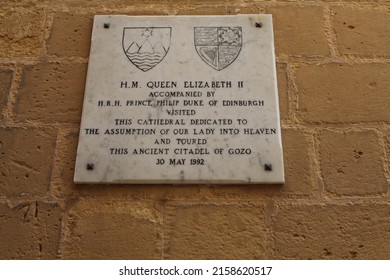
73, 31
387, 146
362, 31
30, 230
300, 173
351, 163
5, 86
188, 9
21, 32
204, 2
57, 89
63, 173
239, 9
26, 160
215, 232
350, 231
113, 230
338, 93
282, 89
101, 3
299, 30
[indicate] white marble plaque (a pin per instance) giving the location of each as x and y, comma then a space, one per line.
181, 99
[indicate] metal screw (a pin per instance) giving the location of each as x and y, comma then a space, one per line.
106, 25
268, 167
90, 166
259, 25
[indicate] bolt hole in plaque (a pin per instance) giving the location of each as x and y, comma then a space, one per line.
188, 99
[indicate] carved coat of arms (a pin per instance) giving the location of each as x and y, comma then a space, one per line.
218, 46
146, 47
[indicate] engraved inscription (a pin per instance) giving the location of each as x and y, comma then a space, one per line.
171, 113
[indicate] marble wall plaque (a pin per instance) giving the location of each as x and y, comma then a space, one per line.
181, 99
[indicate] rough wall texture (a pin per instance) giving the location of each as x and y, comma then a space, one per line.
333, 61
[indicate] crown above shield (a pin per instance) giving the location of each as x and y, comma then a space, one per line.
146, 47
218, 46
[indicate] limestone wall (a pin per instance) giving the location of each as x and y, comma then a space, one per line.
333, 61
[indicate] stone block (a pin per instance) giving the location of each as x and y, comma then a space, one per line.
347, 231
102, 4
342, 93
63, 172
26, 160
30, 230
244, 9
5, 86
387, 145
299, 30
299, 165
54, 88
113, 230
281, 69
362, 31
351, 163
21, 33
70, 35
203, 2
215, 232
188, 9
